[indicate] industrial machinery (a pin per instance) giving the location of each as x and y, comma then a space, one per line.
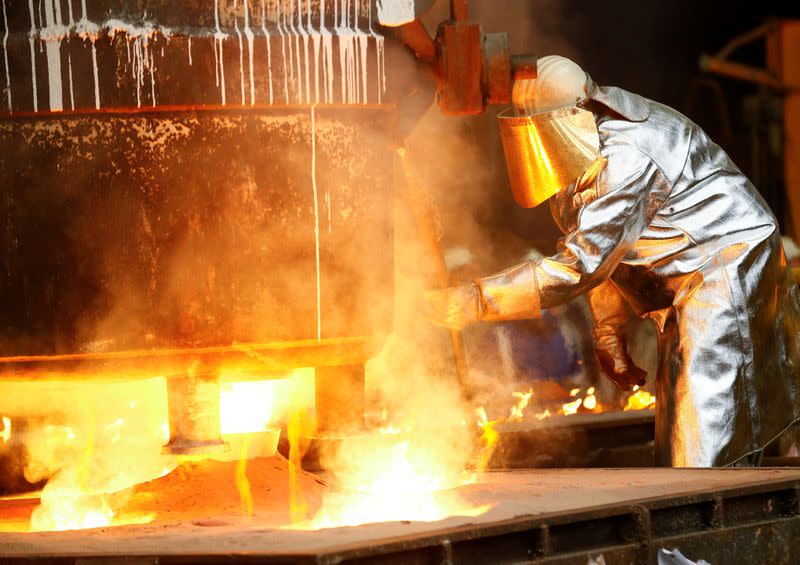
192, 187
781, 79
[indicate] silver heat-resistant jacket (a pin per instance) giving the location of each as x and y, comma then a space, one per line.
676, 230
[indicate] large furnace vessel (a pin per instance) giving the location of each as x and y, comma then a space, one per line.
191, 185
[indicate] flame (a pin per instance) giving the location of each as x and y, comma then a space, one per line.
5, 435
588, 403
489, 438
489, 435
517, 410
640, 400
246, 407
297, 427
241, 480
393, 477
91, 442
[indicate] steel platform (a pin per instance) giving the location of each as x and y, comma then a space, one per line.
543, 517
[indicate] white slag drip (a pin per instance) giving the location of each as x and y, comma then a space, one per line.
189, 48
33, 57
138, 42
282, 32
317, 40
267, 39
248, 33
241, 50
296, 36
327, 55
71, 87
5, 55
305, 34
219, 59
379, 57
316, 217
88, 30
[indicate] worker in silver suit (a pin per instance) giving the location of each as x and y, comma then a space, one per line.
657, 220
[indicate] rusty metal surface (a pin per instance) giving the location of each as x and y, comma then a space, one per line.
546, 517
108, 54
183, 231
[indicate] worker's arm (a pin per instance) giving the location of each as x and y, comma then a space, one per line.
614, 212
611, 313
615, 209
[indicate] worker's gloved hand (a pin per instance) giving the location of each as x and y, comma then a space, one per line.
454, 307
614, 359
510, 295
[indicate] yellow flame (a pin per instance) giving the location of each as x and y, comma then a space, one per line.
590, 402
489, 438
241, 480
571, 407
5, 435
640, 400
246, 407
517, 410
296, 427
386, 478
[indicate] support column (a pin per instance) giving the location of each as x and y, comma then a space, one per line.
194, 418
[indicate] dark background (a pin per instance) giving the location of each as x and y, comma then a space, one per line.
648, 47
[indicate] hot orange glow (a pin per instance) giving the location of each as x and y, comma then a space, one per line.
523, 399
489, 438
246, 406
640, 400
588, 403
5, 435
241, 480
392, 478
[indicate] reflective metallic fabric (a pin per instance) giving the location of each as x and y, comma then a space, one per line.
546, 152
686, 240
510, 295
454, 307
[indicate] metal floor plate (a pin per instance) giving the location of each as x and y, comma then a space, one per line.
544, 516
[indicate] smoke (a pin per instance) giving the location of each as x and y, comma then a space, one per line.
278, 225
90, 440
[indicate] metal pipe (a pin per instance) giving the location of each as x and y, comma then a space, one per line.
742, 40
742, 72
459, 10
416, 37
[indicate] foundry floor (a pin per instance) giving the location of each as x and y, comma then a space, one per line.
535, 493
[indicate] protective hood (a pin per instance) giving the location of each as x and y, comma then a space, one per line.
547, 152
630, 106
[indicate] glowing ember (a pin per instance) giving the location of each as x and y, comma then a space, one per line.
5, 435
489, 438
640, 400
246, 406
571, 407
588, 403
393, 480
523, 399
112, 441
241, 480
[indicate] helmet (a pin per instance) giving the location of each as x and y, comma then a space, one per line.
548, 138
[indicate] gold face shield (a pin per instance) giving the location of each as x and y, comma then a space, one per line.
547, 152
